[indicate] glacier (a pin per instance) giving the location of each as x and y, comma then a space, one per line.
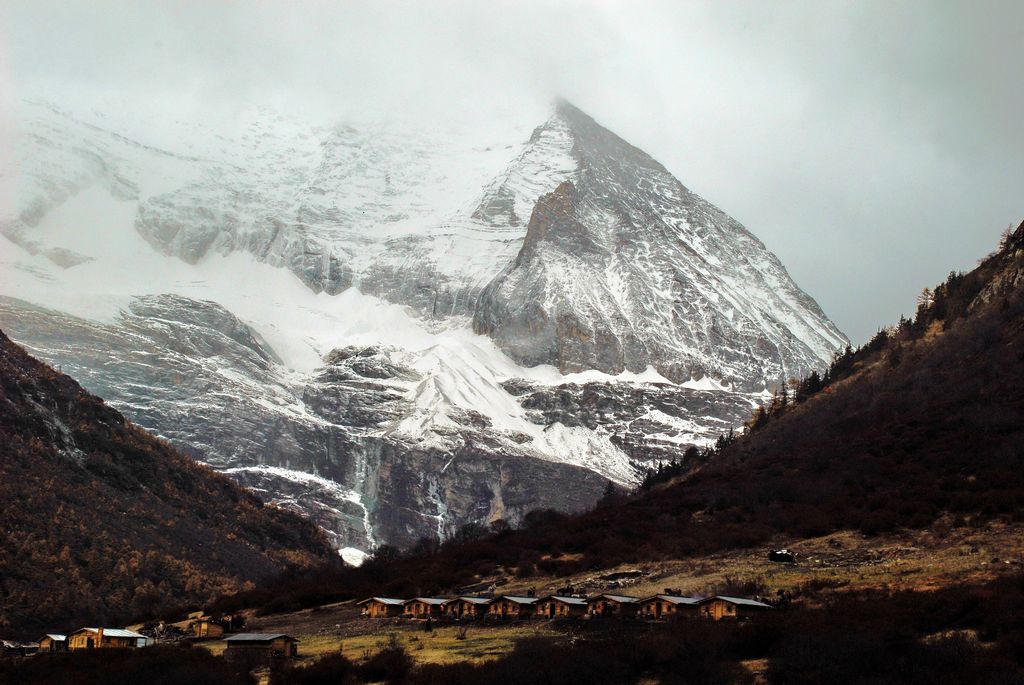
393, 329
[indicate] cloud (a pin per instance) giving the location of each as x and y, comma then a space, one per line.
873, 145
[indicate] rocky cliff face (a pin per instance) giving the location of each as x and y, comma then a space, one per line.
296, 306
622, 267
323, 444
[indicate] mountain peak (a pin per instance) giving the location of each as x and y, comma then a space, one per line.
575, 250
630, 270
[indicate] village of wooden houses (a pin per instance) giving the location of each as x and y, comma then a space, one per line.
658, 607
256, 648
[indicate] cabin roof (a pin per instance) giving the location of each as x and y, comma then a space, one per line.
578, 601
121, 632
383, 600
258, 637
55, 636
741, 600
477, 600
675, 599
519, 600
623, 599
112, 632
436, 601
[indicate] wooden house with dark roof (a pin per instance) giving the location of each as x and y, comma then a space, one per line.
254, 649
423, 607
105, 638
667, 606
467, 607
53, 642
723, 607
558, 606
204, 627
512, 606
613, 605
381, 607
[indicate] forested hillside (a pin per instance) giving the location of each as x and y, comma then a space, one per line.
923, 424
102, 521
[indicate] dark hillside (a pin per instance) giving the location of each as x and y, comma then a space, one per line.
926, 420
102, 521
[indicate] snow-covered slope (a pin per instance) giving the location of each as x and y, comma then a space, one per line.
622, 267
295, 304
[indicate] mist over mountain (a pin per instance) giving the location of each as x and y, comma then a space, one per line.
396, 329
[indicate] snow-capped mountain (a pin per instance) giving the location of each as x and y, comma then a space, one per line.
394, 329
622, 268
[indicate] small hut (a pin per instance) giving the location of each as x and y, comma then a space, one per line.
53, 642
422, 607
612, 605
720, 607
467, 607
106, 638
557, 606
253, 649
512, 606
666, 606
205, 627
381, 607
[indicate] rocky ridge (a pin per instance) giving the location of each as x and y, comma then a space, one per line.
293, 304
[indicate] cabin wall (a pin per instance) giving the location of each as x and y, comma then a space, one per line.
82, 641
209, 629
286, 647
604, 607
553, 609
460, 609
661, 609
717, 610
507, 609
417, 609
378, 610
261, 653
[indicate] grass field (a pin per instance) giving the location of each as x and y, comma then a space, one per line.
440, 646
839, 562
917, 560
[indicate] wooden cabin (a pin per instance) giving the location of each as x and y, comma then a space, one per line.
719, 607
557, 606
206, 627
467, 607
510, 606
106, 638
53, 642
254, 649
381, 607
422, 607
667, 606
613, 605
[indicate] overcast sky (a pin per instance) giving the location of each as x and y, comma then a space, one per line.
873, 146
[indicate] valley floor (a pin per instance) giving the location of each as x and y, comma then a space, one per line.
914, 560
837, 563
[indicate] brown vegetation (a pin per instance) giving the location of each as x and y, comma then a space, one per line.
102, 521
961, 634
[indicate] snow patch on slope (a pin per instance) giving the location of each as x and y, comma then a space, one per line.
311, 483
